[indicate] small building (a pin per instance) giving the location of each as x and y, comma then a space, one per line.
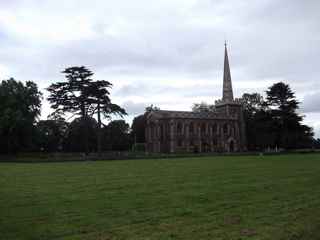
221, 130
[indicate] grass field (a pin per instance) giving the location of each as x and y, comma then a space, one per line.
244, 197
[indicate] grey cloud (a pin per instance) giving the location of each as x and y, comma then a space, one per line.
317, 132
177, 40
131, 90
311, 103
148, 91
133, 108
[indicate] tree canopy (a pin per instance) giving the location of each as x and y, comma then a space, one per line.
274, 122
82, 96
51, 134
116, 136
20, 105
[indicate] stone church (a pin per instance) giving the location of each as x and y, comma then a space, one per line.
221, 130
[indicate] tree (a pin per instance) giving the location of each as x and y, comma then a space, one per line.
19, 107
117, 136
280, 96
102, 105
261, 131
152, 108
203, 107
72, 96
252, 103
138, 129
81, 96
290, 132
275, 122
316, 143
74, 140
258, 121
51, 134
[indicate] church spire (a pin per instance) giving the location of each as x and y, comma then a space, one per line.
227, 94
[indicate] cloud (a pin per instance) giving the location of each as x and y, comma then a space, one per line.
133, 108
169, 50
311, 102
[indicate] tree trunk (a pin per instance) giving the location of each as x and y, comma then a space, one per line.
99, 130
85, 129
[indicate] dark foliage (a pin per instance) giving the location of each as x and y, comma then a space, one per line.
19, 108
316, 143
75, 141
290, 132
152, 108
102, 105
138, 129
50, 134
274, 123
116, 136
82, 96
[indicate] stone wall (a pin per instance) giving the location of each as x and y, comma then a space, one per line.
192, 135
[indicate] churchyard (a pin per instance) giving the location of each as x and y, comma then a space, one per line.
217, 197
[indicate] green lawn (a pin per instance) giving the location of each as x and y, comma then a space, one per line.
247, 197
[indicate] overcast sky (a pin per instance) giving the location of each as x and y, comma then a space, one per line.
167, 52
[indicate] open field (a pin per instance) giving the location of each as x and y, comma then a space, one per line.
236, 197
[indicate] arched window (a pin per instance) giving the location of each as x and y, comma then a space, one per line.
214, 128
162, 133
179, 128
191, 128
214, 142
225, 128
231, 146
203, 128
232, 130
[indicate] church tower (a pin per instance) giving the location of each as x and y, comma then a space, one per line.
228, 105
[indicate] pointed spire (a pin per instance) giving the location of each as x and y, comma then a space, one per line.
227, 94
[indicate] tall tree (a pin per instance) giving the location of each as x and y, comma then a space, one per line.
19, 109
258, 121
72, 96
82, 96
290, 132
102, 105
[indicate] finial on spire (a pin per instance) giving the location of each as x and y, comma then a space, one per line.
225, 43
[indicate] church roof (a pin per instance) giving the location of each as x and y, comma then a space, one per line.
168, 114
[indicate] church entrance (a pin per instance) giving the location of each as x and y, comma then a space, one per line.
231, 146
205, 147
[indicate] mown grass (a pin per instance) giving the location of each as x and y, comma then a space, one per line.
236, 197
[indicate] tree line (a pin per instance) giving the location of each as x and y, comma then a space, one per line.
273, 122
80, 104
78, 97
